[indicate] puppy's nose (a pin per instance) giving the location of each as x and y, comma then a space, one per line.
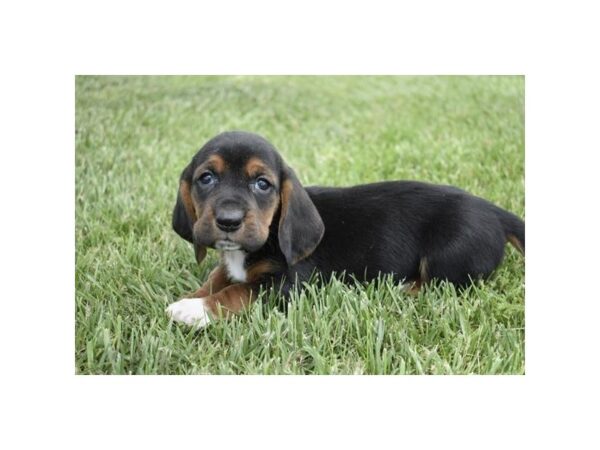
229, 219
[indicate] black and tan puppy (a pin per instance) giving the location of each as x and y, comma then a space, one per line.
238, 196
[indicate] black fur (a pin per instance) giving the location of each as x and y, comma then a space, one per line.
389, 227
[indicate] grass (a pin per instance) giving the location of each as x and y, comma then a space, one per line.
134, 135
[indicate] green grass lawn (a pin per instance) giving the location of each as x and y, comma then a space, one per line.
134, 135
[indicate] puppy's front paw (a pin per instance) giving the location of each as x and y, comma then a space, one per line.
190, 311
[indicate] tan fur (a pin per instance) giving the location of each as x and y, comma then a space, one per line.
216, 163
230, 300
186, 198
262, 218
258, 269
216, 281
515, 243
423, 270
222, 298
286, 191
256, 166
415, 287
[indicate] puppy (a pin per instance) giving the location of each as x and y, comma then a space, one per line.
239, 197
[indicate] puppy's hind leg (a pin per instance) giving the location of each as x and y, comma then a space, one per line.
464, 260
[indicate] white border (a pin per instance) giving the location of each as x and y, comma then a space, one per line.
46, 43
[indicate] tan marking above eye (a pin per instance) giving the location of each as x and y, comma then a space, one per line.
257, 167
214, 163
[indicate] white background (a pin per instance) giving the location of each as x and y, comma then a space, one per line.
44, 44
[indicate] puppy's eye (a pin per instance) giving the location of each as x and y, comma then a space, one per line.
262, 184
207, 178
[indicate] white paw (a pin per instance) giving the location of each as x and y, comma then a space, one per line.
190, 311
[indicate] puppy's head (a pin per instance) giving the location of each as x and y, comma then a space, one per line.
233, 190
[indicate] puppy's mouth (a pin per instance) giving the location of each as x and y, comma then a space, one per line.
227, 245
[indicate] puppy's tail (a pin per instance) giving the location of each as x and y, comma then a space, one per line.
514, 228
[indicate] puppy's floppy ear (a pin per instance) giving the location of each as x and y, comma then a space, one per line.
182, 222
184, 216
300, 225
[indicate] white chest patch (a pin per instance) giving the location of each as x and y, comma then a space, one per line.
234, 262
